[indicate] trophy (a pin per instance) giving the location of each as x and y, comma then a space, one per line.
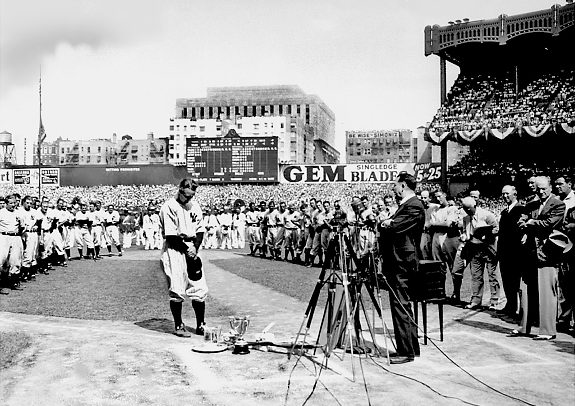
239, 325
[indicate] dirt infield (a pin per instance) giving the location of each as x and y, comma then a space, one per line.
118, 362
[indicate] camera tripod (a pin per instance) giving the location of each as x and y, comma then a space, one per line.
345, 276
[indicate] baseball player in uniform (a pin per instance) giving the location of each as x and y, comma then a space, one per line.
254, 231
112, 233
96, 231
29, 218
292, 220
179, 217
10, 243
83, 233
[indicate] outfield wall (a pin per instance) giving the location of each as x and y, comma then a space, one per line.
94, 175
102, 175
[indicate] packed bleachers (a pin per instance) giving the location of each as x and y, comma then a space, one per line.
479, 100
208, 195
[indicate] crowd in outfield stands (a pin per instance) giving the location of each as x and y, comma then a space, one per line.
480, 164
297, 222
476, 101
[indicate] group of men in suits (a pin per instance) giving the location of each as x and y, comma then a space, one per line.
531, 242
536, 258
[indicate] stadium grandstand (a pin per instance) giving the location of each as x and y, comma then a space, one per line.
514, 99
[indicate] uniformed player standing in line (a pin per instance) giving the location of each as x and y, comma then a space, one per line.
46, 241
272, 219
263, 229
29, 219
112, 233
147, 228
179, 217
10, 245
311, 215
96, 229
282, 211
156, 228
225, 221
317, 222
83, 233
70, 228
292, 219
254, 231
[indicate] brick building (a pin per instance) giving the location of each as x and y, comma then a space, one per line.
380, 146
311, 121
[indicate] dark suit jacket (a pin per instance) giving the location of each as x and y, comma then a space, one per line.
509, 245
400, 244
550, 218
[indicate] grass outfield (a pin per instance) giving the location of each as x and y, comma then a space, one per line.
293, 280
110, 289
12, 344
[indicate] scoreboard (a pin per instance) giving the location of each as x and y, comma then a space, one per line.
233, 159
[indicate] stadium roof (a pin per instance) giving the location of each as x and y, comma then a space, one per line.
506, 39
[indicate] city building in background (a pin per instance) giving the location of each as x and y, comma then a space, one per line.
307, 135
86, 152
296, 142
104, 151
49, 153
380, 146
147, 151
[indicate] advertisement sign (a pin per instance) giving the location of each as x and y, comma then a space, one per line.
50, 177
29, 177
5, 176
24, 177
427, 173
344, 173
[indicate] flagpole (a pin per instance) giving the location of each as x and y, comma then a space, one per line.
40, 134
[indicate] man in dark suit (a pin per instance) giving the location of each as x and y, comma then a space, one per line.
509, 249
543, 220
400, 253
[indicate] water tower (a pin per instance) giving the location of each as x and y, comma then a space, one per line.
7, 158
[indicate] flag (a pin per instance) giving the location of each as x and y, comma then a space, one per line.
41, 132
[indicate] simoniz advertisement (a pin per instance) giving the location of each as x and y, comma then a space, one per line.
344, 173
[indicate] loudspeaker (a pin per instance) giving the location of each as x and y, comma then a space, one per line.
428, 282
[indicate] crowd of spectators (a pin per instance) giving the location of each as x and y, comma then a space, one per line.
130, 196
477, 101
481, 165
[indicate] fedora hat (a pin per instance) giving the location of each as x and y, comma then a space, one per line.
559, 241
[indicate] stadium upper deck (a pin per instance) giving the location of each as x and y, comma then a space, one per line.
530, 39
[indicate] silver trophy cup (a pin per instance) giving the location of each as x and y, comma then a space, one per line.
239, 325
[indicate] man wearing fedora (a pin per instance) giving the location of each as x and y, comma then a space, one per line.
542, 237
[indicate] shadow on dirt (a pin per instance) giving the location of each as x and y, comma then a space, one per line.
484, 326
564, 346
158, 325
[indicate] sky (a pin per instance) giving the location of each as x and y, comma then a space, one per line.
118, 66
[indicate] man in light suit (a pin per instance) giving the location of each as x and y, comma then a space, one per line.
543, 220
510, 249
399, 246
